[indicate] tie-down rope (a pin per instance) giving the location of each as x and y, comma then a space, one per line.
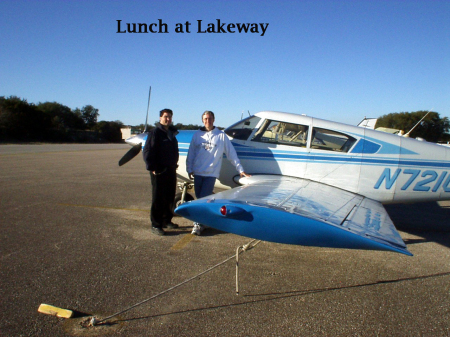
239, 250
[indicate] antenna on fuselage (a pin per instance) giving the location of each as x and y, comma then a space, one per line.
407, 134
148, 106
242, 114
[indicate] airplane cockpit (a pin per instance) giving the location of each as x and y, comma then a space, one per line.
243, 129
276, 132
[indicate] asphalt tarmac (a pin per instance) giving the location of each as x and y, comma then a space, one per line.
75, 233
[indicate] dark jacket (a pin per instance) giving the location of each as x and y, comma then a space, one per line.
161, 149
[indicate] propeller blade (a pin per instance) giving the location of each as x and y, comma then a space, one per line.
148, 106
133, 152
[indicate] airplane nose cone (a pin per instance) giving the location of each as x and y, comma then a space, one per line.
182, 210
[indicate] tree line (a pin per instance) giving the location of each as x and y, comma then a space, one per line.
21, 121
54, 122
432, 128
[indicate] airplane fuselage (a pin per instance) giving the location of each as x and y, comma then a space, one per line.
383, 167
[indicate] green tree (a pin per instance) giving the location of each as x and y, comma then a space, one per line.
22, 121
89, 115
142, 127
61, 116
109, 131
180, 126
432, 128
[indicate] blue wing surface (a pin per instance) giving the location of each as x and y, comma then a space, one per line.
300, 212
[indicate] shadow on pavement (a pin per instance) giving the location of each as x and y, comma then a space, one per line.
429, 220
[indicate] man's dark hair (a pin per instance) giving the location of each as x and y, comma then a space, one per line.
165, 110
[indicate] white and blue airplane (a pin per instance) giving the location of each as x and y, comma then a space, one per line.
315, 182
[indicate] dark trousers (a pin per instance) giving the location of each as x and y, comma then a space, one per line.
163, 195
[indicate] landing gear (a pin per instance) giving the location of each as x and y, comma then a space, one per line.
183, 196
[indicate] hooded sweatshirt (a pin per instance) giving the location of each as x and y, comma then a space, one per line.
206, 152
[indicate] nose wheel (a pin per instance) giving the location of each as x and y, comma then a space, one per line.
183, 195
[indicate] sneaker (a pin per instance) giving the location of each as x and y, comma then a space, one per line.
157, 231
197, 230
171, 225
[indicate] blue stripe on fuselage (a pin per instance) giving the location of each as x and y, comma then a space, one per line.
245, 152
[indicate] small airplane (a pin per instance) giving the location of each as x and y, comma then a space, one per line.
314, 182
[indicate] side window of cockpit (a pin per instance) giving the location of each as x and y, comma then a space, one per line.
243, 129
324, 139
276, 132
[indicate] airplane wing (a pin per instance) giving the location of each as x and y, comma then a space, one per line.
297, 211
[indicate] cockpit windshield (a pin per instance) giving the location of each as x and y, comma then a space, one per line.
243, 129
283, 133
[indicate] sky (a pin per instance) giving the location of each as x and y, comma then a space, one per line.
337, 60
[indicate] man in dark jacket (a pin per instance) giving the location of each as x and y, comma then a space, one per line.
161, 157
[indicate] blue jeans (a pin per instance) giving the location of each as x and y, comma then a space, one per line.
203, 186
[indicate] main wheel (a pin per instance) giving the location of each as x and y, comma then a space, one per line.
177, 200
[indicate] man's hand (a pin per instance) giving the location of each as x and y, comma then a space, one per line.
243, 174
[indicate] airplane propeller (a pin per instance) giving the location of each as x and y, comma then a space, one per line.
133, 152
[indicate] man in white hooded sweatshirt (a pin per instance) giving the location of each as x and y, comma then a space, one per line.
204, 159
